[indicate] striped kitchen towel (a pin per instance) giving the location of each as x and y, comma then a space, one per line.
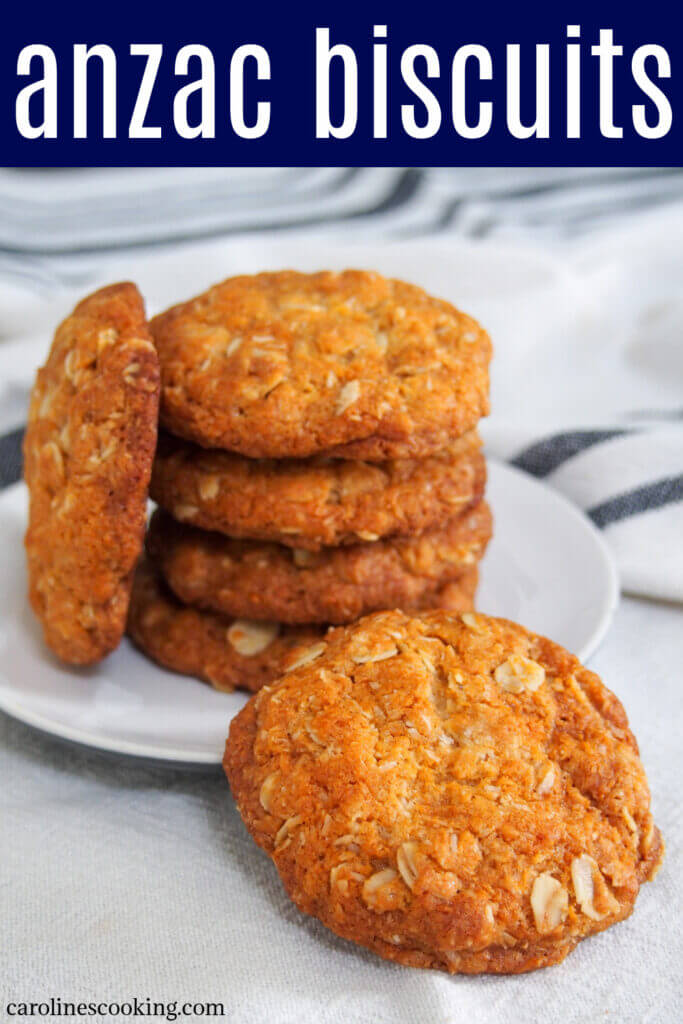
54, 225
628, 481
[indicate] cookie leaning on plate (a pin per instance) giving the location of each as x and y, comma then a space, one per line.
316, 502
451, 792
257, 580
289, 364
231, 653
88, 453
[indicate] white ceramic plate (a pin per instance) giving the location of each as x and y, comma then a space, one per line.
547, 568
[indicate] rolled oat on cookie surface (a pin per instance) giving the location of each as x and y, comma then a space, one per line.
288, 364
451, 792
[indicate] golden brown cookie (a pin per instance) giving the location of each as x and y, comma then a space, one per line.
289, 364
451, 792
311, 503
230, 653
88, 453
256, 580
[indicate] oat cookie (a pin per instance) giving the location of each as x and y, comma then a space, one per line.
290, 364
229, 654
258, 580
232, 653
88, 453
451, 792
311, 503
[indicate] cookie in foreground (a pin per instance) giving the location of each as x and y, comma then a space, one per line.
231, 653
256, 580
317, 502
450, 792
88, 453
290, 364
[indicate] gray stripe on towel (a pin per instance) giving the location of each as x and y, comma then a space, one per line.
544, 456
632, 503
10, 457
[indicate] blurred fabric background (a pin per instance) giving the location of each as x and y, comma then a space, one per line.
56, 225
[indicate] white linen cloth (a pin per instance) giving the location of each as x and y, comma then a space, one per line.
120, 880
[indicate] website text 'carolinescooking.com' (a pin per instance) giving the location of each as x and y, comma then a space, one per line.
55, 1008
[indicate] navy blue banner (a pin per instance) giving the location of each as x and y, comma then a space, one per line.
573, 84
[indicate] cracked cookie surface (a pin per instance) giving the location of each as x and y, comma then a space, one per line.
316, 502
88, 453
451, 792
289, 364
225, 652
259, 580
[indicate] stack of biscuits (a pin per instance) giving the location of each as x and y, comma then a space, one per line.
318, 460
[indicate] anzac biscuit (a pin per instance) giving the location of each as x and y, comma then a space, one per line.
230, 653
257, 580
88, 453
451, 792
289, 364
311, 503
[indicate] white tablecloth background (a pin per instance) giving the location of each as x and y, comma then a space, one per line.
120, 880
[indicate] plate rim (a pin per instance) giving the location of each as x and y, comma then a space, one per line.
200, 758
613, 594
